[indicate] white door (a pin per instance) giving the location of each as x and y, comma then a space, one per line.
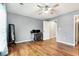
53, 29
46, 34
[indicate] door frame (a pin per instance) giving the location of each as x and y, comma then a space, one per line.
49, 29
45, 34
55, 21
75, 41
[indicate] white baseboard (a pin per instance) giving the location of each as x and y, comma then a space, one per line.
67, 43
23, 41
45, 39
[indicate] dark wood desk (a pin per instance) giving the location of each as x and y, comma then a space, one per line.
38, 36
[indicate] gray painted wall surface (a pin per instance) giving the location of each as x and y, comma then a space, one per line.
65, 28
23, 26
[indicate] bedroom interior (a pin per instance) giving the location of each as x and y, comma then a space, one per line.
39, 29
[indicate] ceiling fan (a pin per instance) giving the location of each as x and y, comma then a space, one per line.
46, 8
21, 3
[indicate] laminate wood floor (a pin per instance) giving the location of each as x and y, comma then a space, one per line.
43, 48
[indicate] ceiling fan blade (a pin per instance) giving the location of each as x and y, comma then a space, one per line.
21, 3
40, 13
54, 12
53, 9
51, 13
56, 5
39, 6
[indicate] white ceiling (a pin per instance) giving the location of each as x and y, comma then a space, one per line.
30, 10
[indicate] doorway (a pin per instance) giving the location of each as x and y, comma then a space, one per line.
77, 30
49, 29
53, 29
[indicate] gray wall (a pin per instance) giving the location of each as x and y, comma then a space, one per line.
23, 26
65, 28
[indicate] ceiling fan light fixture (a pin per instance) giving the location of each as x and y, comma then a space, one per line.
49, 9
45, 11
